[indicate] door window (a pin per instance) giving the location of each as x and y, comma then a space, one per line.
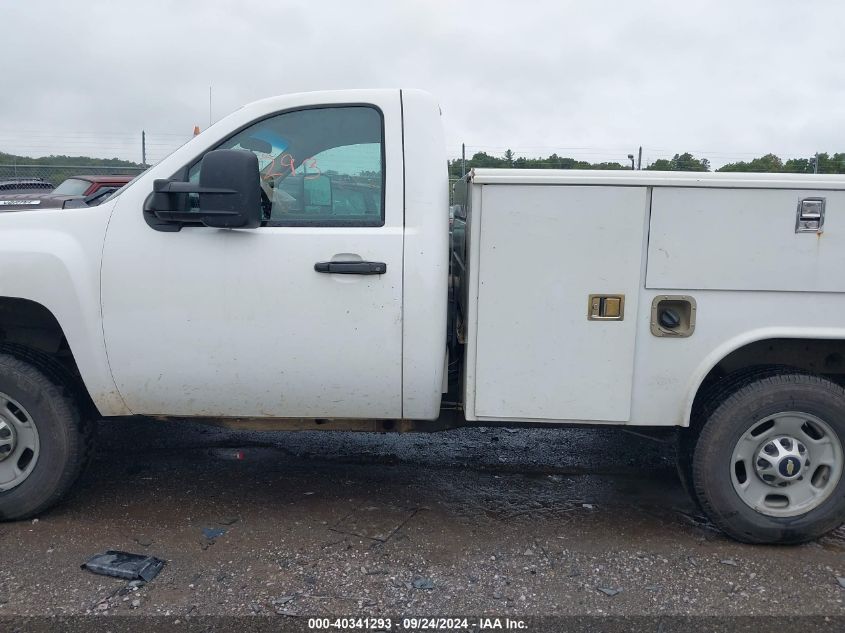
318, 167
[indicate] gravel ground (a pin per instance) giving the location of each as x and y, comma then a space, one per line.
519, 523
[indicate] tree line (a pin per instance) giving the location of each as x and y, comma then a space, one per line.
827, 163
52, 160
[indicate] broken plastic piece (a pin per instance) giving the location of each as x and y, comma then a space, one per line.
213, 533
125, 565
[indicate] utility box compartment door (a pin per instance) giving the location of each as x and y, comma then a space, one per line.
542, 251
744, 239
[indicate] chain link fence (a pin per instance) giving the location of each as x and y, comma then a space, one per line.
55, 174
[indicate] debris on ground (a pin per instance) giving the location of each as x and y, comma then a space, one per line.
609, 591
280, 605
841, 581
423, 583
228, 520
124, 565
729, 561
213, 533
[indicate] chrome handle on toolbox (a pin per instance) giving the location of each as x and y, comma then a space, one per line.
810, 215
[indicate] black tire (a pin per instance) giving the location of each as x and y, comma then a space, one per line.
683, 462
64, 438
734, 407
712, 394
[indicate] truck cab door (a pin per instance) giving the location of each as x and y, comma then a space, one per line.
298, 318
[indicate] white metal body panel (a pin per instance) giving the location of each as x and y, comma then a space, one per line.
666, 372
669, 371
539, 252
52, 257
425, 256
744, 239
236, 322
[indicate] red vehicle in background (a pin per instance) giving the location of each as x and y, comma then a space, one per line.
78, 191
87, 185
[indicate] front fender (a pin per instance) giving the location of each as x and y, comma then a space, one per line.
53, 258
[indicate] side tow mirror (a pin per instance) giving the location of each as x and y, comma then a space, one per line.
229, 194
235, 170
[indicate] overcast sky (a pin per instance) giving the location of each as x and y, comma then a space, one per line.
725, 79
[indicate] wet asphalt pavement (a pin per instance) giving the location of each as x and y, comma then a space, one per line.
513, 522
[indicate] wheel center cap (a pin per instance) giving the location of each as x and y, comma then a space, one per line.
8, 439
780, 460
789, 467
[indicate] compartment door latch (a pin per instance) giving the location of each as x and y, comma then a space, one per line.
606, 308
810, 215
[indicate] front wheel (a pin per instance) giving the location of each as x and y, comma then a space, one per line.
43, 441
768, 463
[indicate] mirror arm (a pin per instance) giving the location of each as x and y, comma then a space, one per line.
162, 185
182, 216
162, 191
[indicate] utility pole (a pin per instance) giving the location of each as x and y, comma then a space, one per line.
463, 160
640, 158
143, 148
631, 158
816, 163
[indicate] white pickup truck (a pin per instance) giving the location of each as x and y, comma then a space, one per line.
293, 267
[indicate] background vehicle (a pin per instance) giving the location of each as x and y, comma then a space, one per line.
24, 185
289, 268
80, 191
88, 185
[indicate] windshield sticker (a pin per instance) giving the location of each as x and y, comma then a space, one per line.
285, 165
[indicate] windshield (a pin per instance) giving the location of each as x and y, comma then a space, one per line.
72, 187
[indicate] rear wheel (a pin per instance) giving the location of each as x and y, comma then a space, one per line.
768, 462
43, 442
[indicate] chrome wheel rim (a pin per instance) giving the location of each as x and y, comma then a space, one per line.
787, 464
19, 444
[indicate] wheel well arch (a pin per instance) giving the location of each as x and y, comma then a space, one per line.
29, 323
31, 332
821, 353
